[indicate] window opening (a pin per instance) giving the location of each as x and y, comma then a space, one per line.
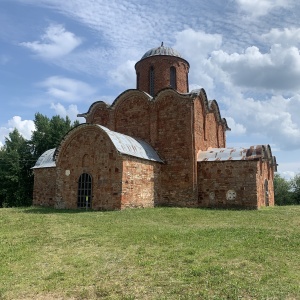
187, 82
266, 193
151, 81
84, 198
173, 77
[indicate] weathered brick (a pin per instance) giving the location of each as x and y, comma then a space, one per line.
178, 125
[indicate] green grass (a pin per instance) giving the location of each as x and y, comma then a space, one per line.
161, 253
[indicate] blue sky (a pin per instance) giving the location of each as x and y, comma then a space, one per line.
58, 57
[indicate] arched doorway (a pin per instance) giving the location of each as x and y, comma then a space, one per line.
84, 198
266, 185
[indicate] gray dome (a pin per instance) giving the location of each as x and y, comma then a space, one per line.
161, 51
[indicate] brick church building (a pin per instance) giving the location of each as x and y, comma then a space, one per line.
158, 144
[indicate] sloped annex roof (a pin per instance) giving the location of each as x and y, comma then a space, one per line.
124, 144
46, 160
255, 152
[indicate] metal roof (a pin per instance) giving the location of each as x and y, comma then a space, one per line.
131, 146
162, 50
46, 160
222, 154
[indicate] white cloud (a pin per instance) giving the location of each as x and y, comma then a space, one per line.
25, 128
258, 8
124, 75
278, 70
55, 43
196, 47
236, 128
71, 111
270, 118
286, 37
66, 89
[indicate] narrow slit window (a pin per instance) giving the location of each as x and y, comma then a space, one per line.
151, 81
187, 82
173, 77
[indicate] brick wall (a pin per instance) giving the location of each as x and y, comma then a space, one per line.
162, 65
44, 187
265, 187
174, 125
89, 150
174, 142
217, 178
131, 116
140, 182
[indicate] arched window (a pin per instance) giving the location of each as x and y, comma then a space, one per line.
151, 81
187, 82
84, 197
173, 77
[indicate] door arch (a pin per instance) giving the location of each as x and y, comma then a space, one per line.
84, 198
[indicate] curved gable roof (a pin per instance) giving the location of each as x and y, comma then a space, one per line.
210, 106
124, 144
131, 146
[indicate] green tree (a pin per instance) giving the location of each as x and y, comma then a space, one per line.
295, 185
282, 191
15, 175
18, 156
49, 132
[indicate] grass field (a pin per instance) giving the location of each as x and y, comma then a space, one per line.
161, 253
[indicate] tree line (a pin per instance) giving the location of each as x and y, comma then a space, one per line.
287, 191
19, 155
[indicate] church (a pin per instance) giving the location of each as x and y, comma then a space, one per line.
157, 145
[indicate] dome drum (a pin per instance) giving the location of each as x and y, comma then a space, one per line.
161, 68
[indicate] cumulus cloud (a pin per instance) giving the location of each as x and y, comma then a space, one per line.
55, 43
196, 47
271, 118
124, 75
67, 89
71, 111
257, 8
277, 70
25, 127
236, 128
286, 36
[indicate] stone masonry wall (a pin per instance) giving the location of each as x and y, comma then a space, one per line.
131, 116
89, 150
44, 186
139, 182
99, 115
207, 130
211, 131
174, 142
167, 124
228, 184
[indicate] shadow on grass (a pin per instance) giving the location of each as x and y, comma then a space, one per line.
47, 210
